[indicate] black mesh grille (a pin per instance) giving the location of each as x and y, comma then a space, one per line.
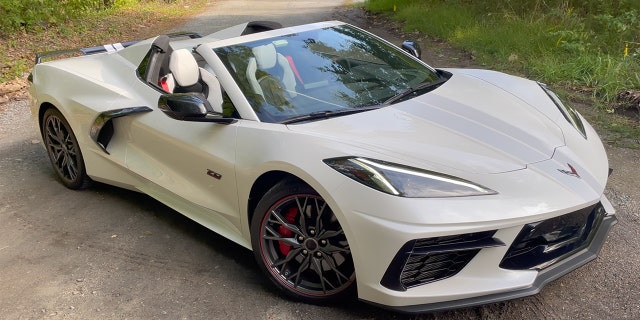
543, 243
422, 269
423, 261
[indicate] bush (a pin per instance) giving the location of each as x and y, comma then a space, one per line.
33, 14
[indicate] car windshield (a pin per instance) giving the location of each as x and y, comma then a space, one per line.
326, 72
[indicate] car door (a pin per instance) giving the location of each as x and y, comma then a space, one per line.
186, 165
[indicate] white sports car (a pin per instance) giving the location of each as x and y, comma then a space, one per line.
346, 164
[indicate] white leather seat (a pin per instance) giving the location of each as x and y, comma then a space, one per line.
186, 76
266, 58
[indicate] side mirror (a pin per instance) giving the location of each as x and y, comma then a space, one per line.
412, 48
190, 107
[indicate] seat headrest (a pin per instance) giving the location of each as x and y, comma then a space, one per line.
266, 56
184, 68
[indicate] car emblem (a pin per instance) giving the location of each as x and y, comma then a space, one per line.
572, 171
214, 174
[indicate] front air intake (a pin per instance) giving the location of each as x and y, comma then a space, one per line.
543, 243
423, 261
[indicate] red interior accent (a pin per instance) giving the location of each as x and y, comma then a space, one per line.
293, 67
164, 84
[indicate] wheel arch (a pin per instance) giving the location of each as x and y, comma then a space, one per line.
41, 110
68, 161
269, 178
299, 186
264, 183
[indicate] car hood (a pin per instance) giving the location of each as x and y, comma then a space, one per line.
468, 124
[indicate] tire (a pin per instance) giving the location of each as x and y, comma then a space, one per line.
300, 245
63, 150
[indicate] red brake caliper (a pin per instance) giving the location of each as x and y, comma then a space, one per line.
290, 216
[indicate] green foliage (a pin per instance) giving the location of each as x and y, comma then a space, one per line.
594, 44
31, 15
125, 3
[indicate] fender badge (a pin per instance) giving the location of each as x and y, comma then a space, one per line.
573, 172
214, 174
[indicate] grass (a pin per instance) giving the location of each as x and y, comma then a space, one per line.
131, 21
592, 48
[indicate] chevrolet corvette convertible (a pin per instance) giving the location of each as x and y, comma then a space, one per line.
347, 165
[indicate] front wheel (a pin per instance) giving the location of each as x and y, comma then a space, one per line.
299, 243
64, 151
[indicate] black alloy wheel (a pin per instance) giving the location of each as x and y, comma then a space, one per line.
64, 152
299, 243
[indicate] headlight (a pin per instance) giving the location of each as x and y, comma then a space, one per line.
405, 181
570, 114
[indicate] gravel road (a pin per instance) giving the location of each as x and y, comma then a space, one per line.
108, 253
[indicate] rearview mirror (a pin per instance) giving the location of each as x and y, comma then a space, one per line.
412, 48
190, 107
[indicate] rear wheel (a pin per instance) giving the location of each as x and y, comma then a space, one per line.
64, 151
299, 243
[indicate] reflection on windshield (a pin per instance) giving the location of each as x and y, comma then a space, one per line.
333, 69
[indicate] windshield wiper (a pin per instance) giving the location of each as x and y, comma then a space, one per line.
325, 114
425, 86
